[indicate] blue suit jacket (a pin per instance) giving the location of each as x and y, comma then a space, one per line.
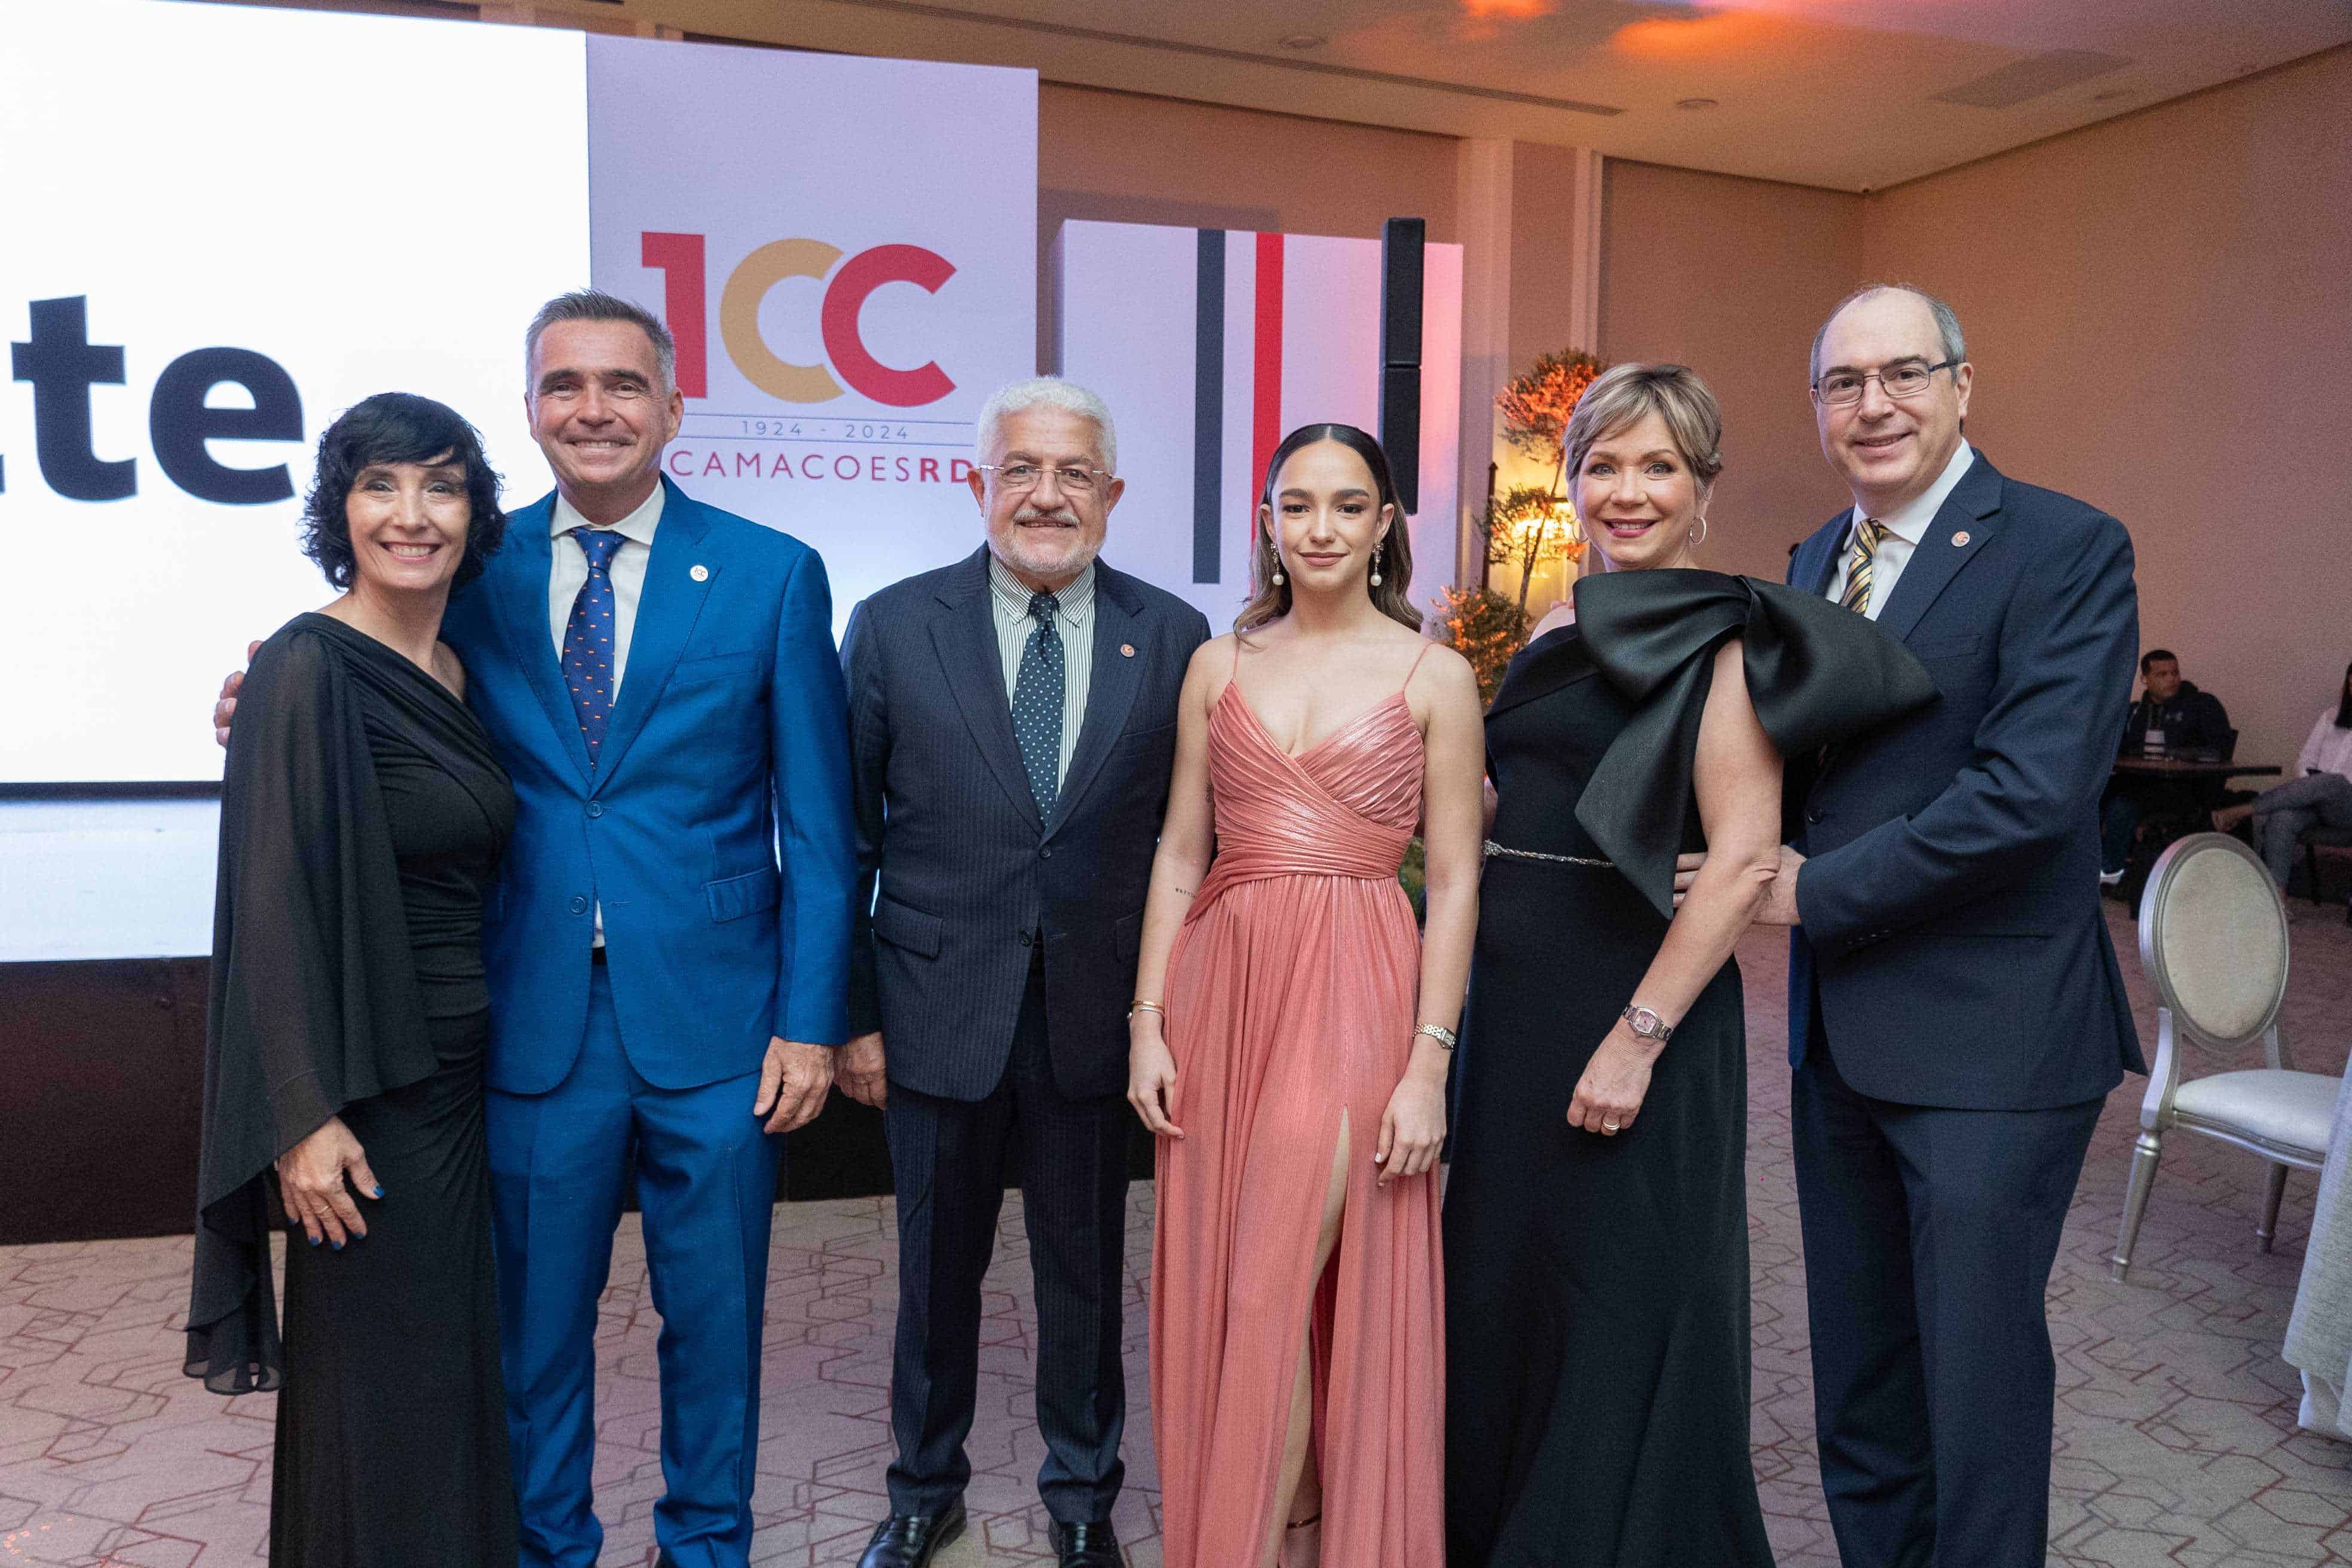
1950, 894
729, 741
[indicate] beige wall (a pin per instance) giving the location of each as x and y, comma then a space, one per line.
2159, 310
1730, 277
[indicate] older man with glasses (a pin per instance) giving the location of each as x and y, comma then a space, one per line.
1012, 726
1955, 1016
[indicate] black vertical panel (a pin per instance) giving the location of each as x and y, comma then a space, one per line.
1209, 406
1401, 242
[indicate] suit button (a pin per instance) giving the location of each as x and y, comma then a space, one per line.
1026, 939
578, 906
1044, 852
596, 808
1813, 817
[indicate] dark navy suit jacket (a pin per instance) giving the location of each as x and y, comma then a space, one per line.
969, 876
728, 743
1949, 896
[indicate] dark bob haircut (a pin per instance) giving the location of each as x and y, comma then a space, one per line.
397, 427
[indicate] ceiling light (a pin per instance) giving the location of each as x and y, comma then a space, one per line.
1694, 103
1305, 41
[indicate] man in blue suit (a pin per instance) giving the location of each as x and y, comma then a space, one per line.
667, 989
1956, 1017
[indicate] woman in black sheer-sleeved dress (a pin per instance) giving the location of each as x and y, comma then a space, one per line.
362, 817
1596, 1221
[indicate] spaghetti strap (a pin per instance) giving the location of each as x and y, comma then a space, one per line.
1425, 646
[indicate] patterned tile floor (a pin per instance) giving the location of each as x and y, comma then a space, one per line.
2177, 1443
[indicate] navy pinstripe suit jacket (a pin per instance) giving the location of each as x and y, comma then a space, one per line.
959, 877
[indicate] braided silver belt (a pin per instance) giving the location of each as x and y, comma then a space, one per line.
1504, 850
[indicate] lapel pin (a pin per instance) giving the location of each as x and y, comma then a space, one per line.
1127, 651
701, 573
1959, 541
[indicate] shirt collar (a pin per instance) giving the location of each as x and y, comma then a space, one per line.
1909, 521
1012, 594
639, 525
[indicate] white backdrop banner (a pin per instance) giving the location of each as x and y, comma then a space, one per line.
223, 226
846, 250
1210, 346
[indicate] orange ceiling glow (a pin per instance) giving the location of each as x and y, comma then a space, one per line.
1509, 10
1715, 33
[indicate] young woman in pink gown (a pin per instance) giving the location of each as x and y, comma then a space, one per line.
1290, 1041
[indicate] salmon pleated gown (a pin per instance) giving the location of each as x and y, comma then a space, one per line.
1291, 997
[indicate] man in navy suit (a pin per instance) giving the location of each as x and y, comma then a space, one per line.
666, 990
1012, 721
1956, 1017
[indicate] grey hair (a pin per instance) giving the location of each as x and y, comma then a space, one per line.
1047, 392
1947, 323
595, 305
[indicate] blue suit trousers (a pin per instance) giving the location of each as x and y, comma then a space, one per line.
1930, 1237
561, 1166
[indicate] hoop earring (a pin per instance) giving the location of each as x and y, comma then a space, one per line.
1701, 539
1378, 550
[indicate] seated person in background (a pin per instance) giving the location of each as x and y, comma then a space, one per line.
2319, 795
2171, 715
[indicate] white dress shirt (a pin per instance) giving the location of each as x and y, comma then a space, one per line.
2330, 750
568, 574
1905, 526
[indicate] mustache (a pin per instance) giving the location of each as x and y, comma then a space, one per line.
1063, 515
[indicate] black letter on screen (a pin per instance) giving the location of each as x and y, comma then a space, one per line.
179, 423
63, 366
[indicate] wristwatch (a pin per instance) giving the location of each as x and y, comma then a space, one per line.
1645, 1023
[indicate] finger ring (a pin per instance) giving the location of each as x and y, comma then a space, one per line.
1609, 1127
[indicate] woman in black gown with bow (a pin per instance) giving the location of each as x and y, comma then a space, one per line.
1596, 1222
362, 817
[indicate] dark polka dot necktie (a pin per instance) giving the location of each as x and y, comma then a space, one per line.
588, 637
1037, 705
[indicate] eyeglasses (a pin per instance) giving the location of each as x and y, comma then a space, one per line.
1898, 380
1025, 476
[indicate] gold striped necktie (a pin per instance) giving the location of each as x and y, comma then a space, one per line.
1867, 535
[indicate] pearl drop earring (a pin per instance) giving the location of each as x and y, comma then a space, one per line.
1277, 571
1378, 550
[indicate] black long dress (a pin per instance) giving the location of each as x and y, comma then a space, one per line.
363, 820
1597, 1289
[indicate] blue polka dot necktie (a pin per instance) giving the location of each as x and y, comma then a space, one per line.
1037, 705
588, 637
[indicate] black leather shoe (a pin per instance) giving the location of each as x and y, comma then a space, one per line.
1092, 1545
912, 1540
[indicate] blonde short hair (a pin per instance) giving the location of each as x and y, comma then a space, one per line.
1622, 394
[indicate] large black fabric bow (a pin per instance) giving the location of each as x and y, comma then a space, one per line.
1816, 674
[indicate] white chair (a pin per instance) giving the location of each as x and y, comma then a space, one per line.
2212, 941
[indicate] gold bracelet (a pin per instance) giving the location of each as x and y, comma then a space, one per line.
1140, 1005
1440, 1034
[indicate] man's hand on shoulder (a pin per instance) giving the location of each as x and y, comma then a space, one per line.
224, 709
792, 1084
863, 1072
